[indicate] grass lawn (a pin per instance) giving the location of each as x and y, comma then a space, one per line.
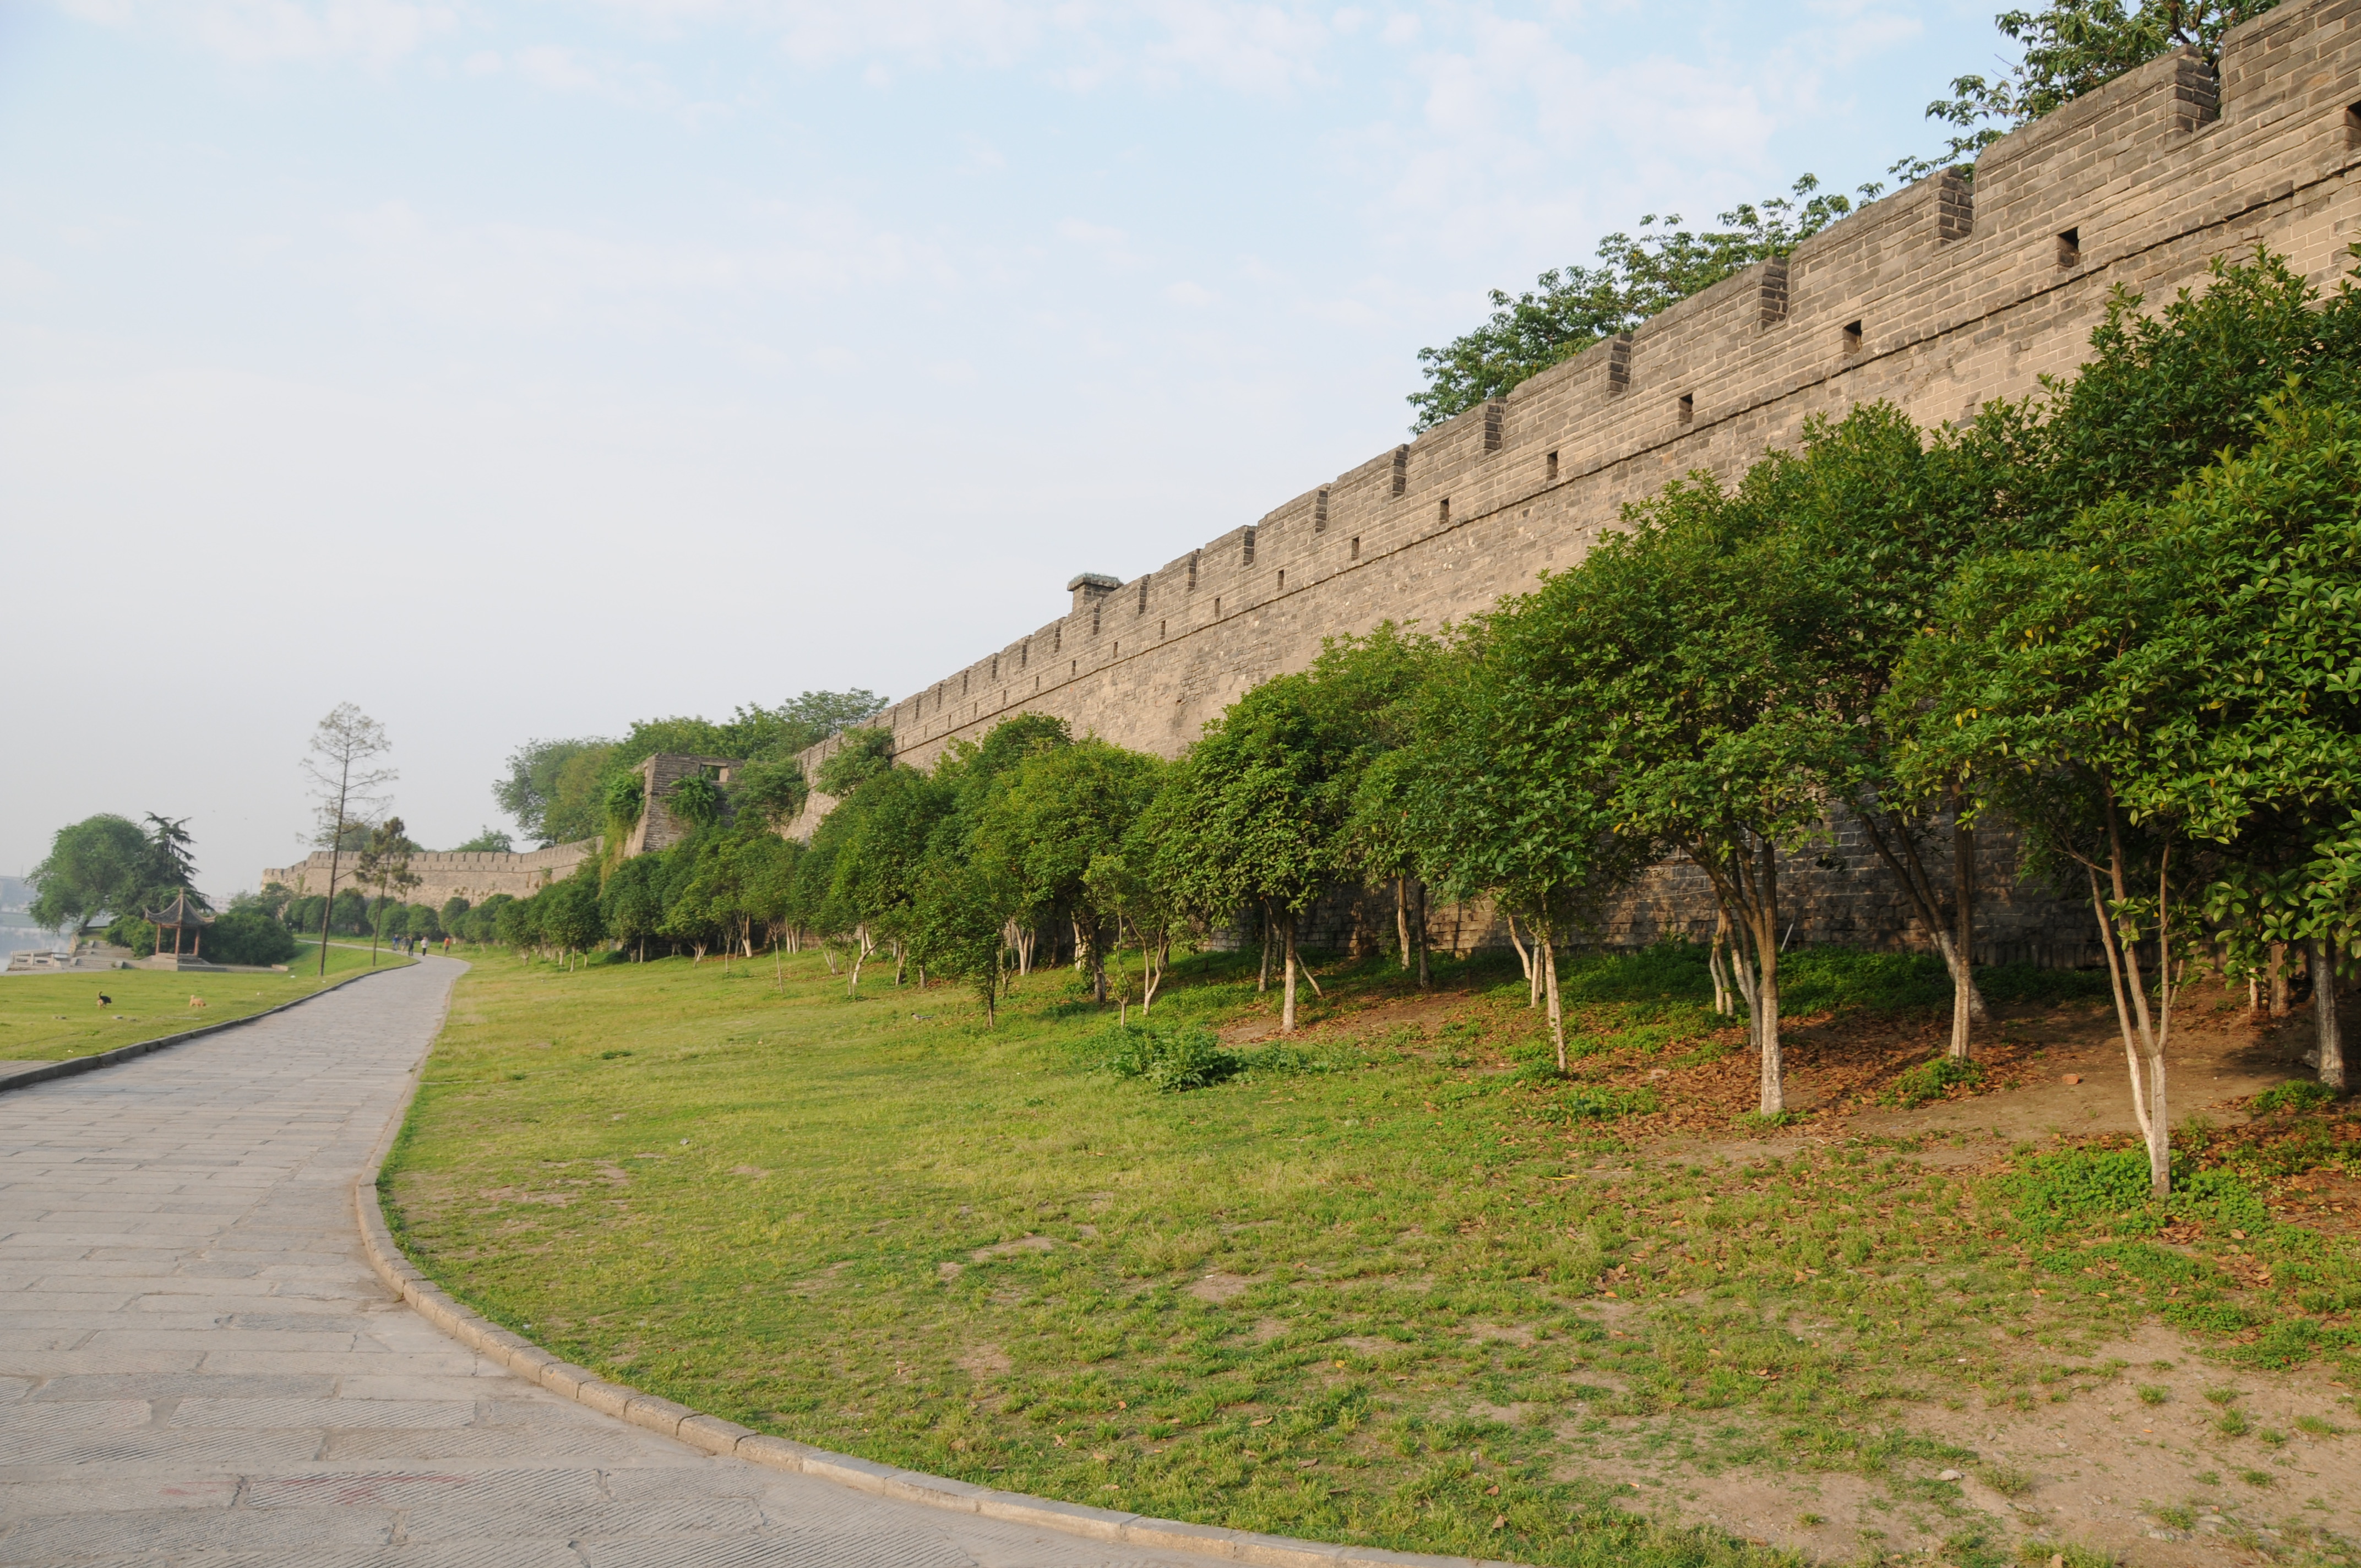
1394, 1282
52, 1017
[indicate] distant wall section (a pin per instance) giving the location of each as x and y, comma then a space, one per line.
473, 876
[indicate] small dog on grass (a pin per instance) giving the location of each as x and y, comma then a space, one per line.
197, 1002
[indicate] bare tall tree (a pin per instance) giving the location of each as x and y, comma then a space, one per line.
345, 783
384, 862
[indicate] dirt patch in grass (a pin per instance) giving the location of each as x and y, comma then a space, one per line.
1218, 1287
1396, 1280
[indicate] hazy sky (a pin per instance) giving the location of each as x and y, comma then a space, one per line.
514, 371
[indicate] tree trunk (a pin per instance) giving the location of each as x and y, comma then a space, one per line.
859, 957
1098, 965
1418, 934
1401, 918
1958, 947
1158, 956
1262, 982
1287, 1008
1524, 961
1543, 939
901, 963
2144, 1036
2324, 1006
1952, 932
1716, 964
2275, 976
1766, 986
1746, 882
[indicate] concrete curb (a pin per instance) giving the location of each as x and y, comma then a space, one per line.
42, 1072
719, 1437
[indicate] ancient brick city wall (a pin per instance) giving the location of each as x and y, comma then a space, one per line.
657, 827
474, 877
1937, 299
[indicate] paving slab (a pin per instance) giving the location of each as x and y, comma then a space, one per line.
153, 1413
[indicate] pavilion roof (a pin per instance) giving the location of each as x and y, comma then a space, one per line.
180, 912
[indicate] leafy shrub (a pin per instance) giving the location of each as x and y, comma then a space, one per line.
2018, 983
2050, 1191
2295, 1095
130, 931
1605, 1102
249, 937
1167, 1058
1813, 980
1929, 1079
2220, 1195
1668, 971
1291, 1060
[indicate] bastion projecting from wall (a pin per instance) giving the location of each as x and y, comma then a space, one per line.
1945, 295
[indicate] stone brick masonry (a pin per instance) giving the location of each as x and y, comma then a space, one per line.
474, 877
1938, 299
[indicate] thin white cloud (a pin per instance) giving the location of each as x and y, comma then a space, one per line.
267, 32
517, 277
1112, 246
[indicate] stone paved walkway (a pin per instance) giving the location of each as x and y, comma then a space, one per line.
198, 1367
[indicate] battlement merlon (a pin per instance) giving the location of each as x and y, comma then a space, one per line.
1951, 292
474, 875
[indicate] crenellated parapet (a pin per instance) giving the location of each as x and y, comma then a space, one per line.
1954, 291
474, 875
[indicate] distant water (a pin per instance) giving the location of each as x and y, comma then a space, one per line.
17, 932
16, 938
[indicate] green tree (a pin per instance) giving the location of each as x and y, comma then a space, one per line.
632, 900
99, 865
383, 863
1249, 817
482, 924
348, 784
958, 927
569, 919
1120, 890
348, 913
771, 793
2031, 686
717, 885
553, 788
1064, 805
698, 801
1506, 788
690, 916
1874, 518
489, 842
517, 924
777, 734
172, 867
865, 754
877, 857
248, 937
1571, 308
271, 901
1688, 638
2072, 46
